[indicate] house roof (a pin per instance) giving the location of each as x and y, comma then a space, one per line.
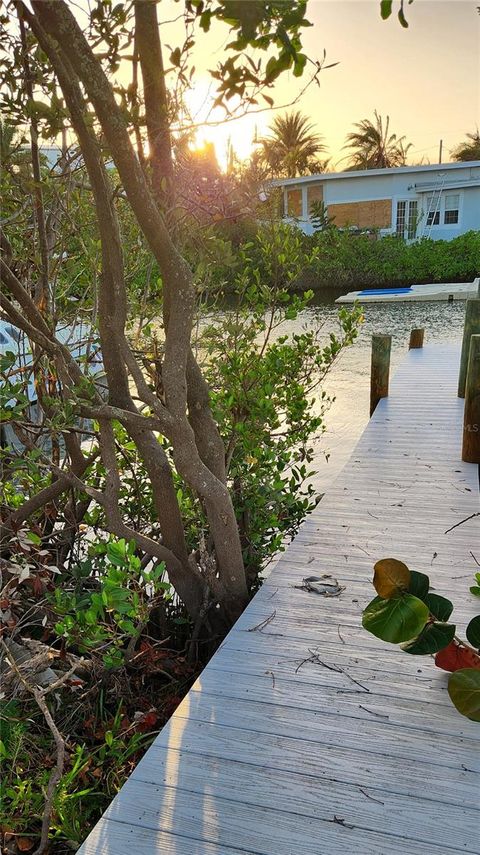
371, 173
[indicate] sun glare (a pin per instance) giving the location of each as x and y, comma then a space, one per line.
238, 135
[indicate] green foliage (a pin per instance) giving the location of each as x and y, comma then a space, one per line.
94, 771
464, 691
406, 613
274, 28
475, 589
106, 618
433, 637
319, 217
347, 260
397, 619
439, 606
473, 632
469, 149
329, 258
293, 148
386, 10
419, 585
374, 147
263, 382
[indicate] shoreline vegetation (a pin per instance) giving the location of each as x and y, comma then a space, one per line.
358, 261
345, 260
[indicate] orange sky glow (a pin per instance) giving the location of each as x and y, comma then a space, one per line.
426, 78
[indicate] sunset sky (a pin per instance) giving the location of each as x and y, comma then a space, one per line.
427, 78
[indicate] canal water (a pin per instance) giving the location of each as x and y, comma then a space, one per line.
349, 378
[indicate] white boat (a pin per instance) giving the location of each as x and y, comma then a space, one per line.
447, 292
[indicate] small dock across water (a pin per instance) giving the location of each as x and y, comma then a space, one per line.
305, 735
424, 293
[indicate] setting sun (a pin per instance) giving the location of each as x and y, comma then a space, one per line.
238, 134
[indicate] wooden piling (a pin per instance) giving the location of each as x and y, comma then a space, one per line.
472, 327
380, 371
471, 421
416, 338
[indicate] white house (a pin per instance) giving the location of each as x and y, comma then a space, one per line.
440, 201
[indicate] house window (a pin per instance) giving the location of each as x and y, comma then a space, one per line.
407, 218
412, 219
401, 215
452, 206
433, 210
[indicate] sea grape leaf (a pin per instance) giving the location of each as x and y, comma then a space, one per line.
419, 584
440, 607
464, 691
391, 577
386, 8
397, 619
473, 632
116, 552
434, 637
455, 657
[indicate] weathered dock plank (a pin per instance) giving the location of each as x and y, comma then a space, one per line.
306, 734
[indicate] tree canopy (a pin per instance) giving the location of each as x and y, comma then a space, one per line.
372, 145
469, 149
293, 146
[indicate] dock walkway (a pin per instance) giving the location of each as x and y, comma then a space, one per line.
305, 735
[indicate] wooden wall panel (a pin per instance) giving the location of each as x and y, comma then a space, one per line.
375, 214
294, 202
314, 194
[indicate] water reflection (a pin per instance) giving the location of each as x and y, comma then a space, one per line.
348, 381
349, 378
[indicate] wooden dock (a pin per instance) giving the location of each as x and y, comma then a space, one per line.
305, 735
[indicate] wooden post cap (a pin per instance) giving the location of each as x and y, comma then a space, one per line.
416, 338
472, 327
471, 420
380, 370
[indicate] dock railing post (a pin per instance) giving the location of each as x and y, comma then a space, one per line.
471, 421
472, 327
416, 338
380, 371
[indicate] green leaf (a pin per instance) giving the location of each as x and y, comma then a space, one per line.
434, 637
402, 18
464, 691
440, 607
391, 578
419, 584
116, 552
175, 56
473, 632
395, 620
386, 8
475, 589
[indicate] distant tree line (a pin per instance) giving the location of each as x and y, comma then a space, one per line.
293, 147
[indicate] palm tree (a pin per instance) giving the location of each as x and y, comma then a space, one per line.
293, 147
373, 147
469, 149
